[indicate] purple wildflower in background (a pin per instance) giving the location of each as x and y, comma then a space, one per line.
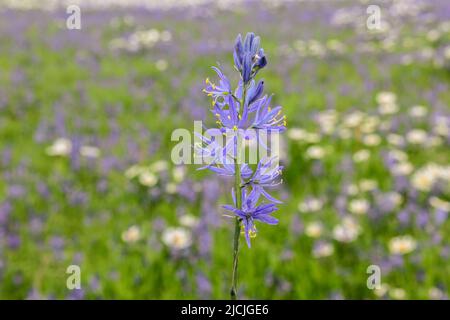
244, 113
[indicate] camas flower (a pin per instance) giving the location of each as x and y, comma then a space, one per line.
266, 175
229, 116
251, 212
243, 114
229, 170
222, 90
249, 58
266, 117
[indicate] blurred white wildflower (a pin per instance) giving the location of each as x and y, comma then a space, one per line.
367, 185
398, 155
440, 204
434, 141
165, 36
354, 119
386, 97
427, 53
158, 166
433, 35
395, 139
370, 124
177, 238
90, 151
352, 189
315, 152
141, 39
161, 65
171, 188
402, 244
344, 133
148, 179
359, 206
403, 168
442, 126
397, 293
436, 294
310, 205
296, 133
371, 140
447, 52
134, 171
314, 229
385, 125
382, 290
425, 177
299, 134
131, 235
178, 174
361, 155
327, 121
60, 147
418, 111
347, 231
315, 48
189, 221
388, 108
324, 249
416, 136
394, 197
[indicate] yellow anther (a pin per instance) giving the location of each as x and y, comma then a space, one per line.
207, 80
235, 128
217, 115
209, 94
269, 108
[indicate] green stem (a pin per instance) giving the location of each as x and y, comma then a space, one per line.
237, 226
237, 231
234, 277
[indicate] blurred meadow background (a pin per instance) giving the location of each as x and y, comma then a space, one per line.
86, 177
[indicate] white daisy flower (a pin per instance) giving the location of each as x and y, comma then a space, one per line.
61, 147
314, 229
359, 206
402, 244
132, 234
177, 238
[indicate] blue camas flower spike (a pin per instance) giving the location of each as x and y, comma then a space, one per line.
239, 114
